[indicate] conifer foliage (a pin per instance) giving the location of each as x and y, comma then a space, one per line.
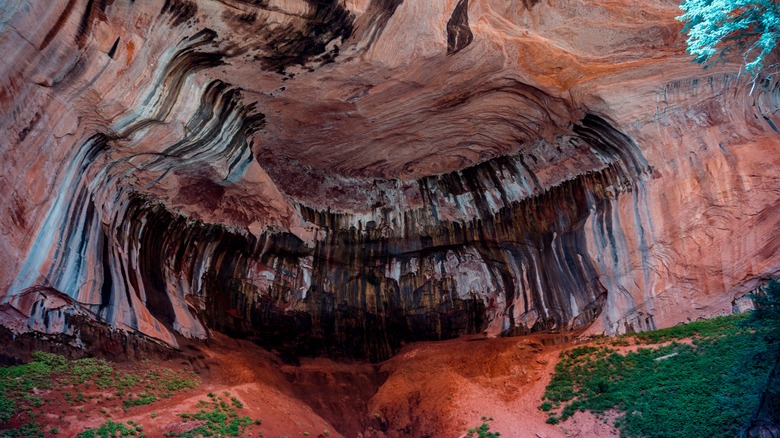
726, 28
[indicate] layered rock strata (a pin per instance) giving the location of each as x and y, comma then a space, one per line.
342, 177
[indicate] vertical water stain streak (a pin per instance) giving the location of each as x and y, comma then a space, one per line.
459, 34
83, 250
360, 292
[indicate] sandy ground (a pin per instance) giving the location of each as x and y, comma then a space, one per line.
430, 389
454, 384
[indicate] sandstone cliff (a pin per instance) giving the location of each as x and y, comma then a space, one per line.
342, 177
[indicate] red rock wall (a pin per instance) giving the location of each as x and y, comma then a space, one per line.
344, 177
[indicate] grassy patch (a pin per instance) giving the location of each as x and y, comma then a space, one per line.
707, 328
218, 418
111, 429
53, 382
482, 431
141, 399
708, 389
29, 429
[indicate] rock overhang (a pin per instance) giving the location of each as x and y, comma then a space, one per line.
343, 177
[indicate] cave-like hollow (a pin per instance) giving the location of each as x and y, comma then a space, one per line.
341, 178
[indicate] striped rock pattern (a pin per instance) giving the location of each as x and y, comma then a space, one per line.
341, 177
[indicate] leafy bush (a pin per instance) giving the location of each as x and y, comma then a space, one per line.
54, 361
483, 431
142, 399
718, 326
109, 429
708, 389
220, 419
52, 371
751, 27
7, 408
767, 313
26, 430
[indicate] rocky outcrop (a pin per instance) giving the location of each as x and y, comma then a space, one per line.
43, 319
342, 177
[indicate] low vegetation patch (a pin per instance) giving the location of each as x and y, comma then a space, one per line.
111, 429
707, 386
217, 418
482, 431
55, 384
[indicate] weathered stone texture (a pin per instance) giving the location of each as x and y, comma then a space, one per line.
341, 177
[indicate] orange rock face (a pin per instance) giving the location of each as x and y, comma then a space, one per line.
342, 177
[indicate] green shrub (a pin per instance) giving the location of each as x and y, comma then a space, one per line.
749, 27
52, 371
55, 362
708, 389
546, 406
7, 408
767, 313
220, 419
28, 430
482, 431
109, 429
142, 399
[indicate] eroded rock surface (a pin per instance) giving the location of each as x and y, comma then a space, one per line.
342, 177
